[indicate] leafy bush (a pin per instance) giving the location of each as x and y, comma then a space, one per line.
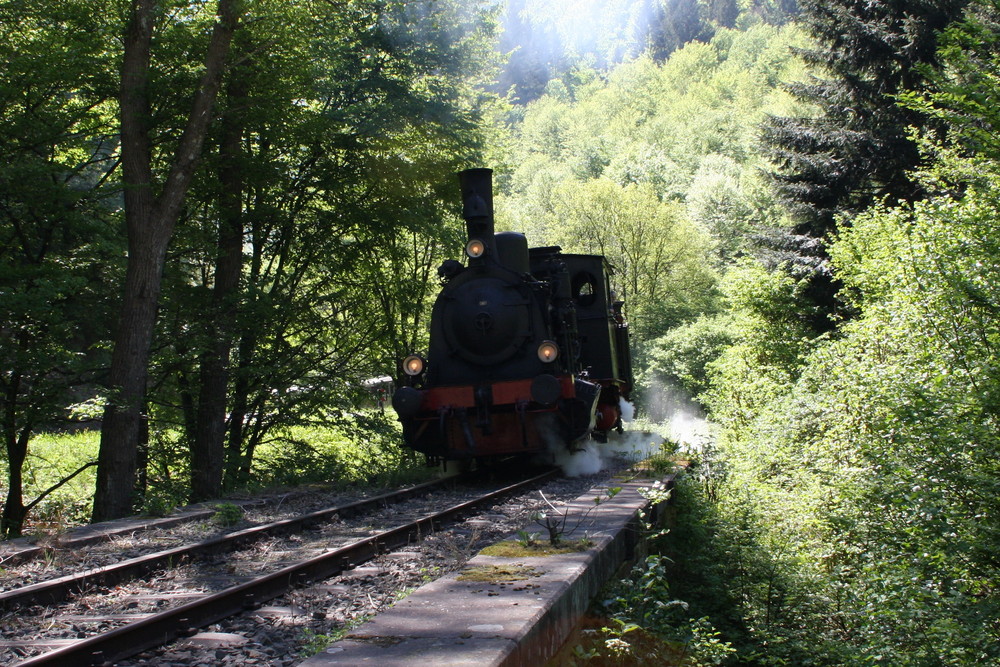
648, 627
773, 339
51, 458
862, 476
680, 357
227, 514
362, 447
644, 622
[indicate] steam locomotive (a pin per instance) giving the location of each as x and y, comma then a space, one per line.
528, 347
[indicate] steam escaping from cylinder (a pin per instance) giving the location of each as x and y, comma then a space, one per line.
588, 457
586, 460
689, 430
628, 410
575, 459
633, 446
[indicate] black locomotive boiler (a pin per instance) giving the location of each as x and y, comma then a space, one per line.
527, 347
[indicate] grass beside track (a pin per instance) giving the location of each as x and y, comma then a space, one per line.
300, 455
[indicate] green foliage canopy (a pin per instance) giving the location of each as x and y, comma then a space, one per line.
58, 243
656, 166
349, 121
868, 471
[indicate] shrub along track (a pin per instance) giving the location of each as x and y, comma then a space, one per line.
198, 596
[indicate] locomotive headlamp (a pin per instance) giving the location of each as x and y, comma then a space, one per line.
475, 248
413, 365
548, 351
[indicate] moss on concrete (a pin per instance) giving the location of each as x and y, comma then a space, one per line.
517, 549
495, 574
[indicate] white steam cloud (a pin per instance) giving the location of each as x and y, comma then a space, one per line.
675, 417
588, 457
684, 420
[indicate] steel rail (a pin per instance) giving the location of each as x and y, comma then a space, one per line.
131, 639
59, 589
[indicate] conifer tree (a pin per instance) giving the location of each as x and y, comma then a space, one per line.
856, 151
677, 23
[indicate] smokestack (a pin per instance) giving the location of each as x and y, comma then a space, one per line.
477, 203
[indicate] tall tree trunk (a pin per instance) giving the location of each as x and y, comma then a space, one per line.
122, 424
238, 461
241, 408
149, 221
208, 446
256, 435
16, 444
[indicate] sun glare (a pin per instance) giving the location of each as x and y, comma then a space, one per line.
609, 29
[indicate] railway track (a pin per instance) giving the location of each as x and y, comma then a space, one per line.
59, 588
227, 580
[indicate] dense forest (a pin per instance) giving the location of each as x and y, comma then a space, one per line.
217, 219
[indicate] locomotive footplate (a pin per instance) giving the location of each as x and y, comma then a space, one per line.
507, 393
499, 418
